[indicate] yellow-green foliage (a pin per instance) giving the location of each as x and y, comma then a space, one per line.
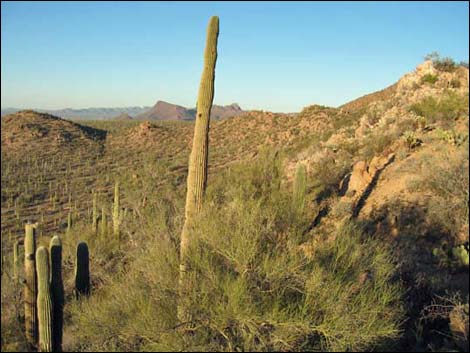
251, 286
429, 78
300, 187
448, 107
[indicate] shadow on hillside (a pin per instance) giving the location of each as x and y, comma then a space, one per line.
93, 133
365, 195
413, 235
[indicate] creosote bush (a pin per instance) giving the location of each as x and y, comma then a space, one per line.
251, 286
449, 107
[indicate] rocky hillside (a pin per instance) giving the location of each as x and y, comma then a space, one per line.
28, 130
401, 170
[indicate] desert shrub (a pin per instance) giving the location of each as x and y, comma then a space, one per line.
464, 64
429, 78
454, 311
450, 106
455, 83
442, 64
376, 143
445, 174
451, 136
251, 287
411, 140
328, 172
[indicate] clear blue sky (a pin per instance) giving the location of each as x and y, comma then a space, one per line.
278, 56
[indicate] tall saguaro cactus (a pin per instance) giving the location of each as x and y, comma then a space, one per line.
116, 216
82, 271
197, 171
57, 292
30, 286
44, 300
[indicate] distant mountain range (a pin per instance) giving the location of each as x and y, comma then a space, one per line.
160, 111
86, 113
167, 111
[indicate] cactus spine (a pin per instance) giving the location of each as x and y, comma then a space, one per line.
57, 292
116, 219
95, 214
30, 287
197, 171
300, 187
44, 300
82, 271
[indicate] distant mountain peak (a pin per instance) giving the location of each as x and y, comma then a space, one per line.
163, 110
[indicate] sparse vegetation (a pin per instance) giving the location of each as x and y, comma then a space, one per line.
252, 287
447, 108
429, 78
442, 64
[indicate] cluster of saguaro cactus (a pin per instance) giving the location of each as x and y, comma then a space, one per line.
300, 187
197, 171
44, 288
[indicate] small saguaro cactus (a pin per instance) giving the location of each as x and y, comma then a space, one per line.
95, 214
300, 187
30, 286
197, 170
82, 271
116, 215
16, 250
69, 222
57, 292
44, 300
104, 223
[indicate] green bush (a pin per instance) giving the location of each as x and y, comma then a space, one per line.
429, 78
442, 64
450, 106
251, 286
445, 176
